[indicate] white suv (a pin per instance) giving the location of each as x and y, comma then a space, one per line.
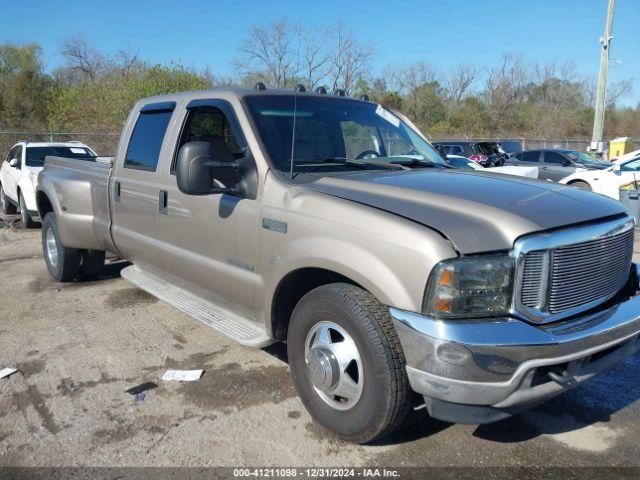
19, 174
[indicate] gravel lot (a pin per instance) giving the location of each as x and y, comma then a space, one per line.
80, 346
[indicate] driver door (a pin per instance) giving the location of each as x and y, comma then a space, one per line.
210, 241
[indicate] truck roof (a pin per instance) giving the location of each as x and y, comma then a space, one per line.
239, 93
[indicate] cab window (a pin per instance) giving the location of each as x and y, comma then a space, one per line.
210, 124
146, 140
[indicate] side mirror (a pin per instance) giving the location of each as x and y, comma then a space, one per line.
14, 162
616, 169
567, 163
198, 169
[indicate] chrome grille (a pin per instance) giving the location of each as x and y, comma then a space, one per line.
589, 271
569, 271
532, 291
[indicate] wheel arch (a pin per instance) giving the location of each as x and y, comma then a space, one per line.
291, 288
43, 203
580, 180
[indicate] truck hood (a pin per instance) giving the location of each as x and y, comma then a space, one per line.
476, 211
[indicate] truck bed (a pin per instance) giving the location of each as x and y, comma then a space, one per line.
82, 189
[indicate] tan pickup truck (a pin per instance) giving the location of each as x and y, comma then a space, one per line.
331, 224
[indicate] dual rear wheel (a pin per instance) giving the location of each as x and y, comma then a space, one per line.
67, 264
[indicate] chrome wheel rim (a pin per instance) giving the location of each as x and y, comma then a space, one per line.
52, 248
334, 365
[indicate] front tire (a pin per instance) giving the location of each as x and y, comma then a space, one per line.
8, 208
347, 362
62, 262
25, 218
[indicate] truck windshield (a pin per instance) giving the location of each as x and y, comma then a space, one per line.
36, 155
334, 134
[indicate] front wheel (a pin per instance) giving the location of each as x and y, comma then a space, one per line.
347, 362
62, 262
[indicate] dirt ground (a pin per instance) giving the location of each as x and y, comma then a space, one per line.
79, 346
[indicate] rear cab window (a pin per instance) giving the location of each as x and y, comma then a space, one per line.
148, 134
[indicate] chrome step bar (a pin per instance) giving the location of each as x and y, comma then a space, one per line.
234, 326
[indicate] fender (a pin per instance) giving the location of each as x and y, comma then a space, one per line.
73, 206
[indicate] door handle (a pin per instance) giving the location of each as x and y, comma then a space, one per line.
117, 193
163, 202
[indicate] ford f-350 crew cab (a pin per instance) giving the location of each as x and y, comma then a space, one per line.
281, 216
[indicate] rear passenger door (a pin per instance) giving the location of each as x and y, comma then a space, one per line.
554, 166
135, 184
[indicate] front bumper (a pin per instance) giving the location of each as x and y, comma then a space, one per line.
485, 370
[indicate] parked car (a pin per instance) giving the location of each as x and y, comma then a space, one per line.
487, 154
260, 214
626, 156
555, 164
464, 163
607, 181
19, 172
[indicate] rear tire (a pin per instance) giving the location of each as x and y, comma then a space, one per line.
91, 263
62, 262
581, 186
25, 218
7, 207
376, 396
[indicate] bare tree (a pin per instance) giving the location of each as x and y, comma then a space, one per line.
349, 59
460, 81
82, 56
618, 91
313, 55
268, 52
410, 76
127, 61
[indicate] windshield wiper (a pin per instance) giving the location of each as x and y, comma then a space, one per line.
361, 163
415, 162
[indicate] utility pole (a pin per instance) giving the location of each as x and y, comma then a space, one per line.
605, 43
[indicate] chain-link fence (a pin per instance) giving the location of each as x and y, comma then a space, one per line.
104, 144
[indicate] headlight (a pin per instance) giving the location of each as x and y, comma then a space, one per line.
470, 287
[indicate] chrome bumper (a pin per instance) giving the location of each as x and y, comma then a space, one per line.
484, 370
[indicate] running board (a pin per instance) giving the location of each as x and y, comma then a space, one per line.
234, 326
